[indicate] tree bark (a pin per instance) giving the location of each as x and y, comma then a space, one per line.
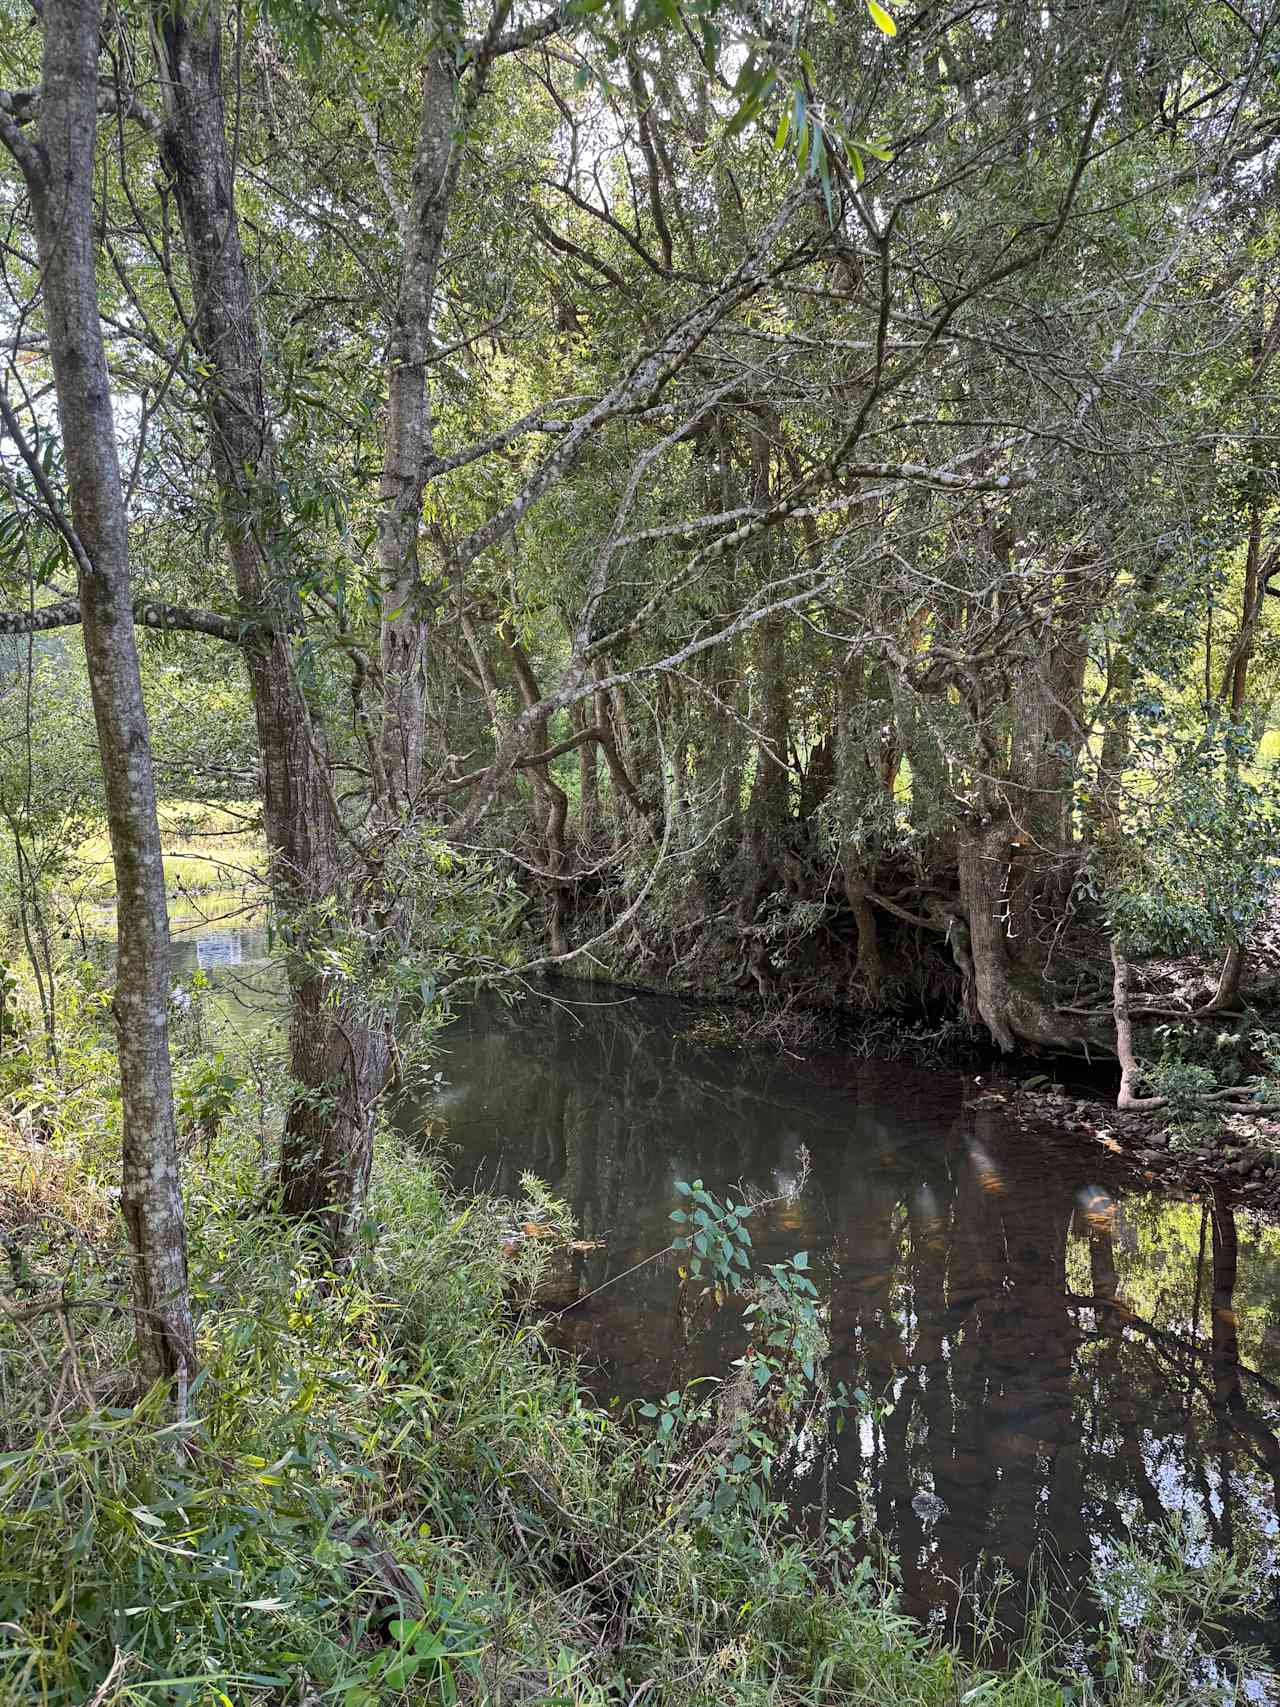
869, 963
770, 704
1130, 1072
589, 784
59, 173
553, 803
983, 862
1045, 740
1235, 687
338, 1055
409, 437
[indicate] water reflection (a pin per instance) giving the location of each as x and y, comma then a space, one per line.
219, 948
225, 938
1066, 1358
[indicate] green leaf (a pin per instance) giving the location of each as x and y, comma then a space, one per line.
397, 1674
745, 84
816, 152
882, 18
824, 178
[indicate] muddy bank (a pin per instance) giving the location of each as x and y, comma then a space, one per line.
1239, 1153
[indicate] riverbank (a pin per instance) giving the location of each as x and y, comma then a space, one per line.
806, 997
388, 1490
1237, 1153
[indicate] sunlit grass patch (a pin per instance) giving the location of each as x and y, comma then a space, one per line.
205, 848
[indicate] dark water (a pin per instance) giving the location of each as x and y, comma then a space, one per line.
1068, 1358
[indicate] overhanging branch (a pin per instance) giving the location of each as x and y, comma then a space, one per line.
147, 613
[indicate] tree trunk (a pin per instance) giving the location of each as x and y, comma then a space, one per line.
1236, 687
1130, 1072
1114, 757
770, 702
615, 744
59, 173
409, 437
553, 803
870, 965
1227, 995
589, 784
338, 1055
1045, 738
983, 862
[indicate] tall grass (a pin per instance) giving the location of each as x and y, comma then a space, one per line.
388, 1490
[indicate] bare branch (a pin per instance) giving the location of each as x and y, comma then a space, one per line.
148, 613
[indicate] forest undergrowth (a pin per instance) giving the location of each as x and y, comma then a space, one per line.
383, 1486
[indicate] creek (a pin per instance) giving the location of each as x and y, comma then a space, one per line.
1068, 1356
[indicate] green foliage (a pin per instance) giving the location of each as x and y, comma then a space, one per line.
428, 1652
1267, 1045
717, 1241
387, 1491
779, 1388
1200, 854
1183, 1084
205, 1092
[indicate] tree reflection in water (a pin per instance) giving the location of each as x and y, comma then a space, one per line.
1067, 1359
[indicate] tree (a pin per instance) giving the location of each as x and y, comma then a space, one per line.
51, 134
826, 480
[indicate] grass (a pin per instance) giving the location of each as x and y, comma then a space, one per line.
388, 1491
206, 848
